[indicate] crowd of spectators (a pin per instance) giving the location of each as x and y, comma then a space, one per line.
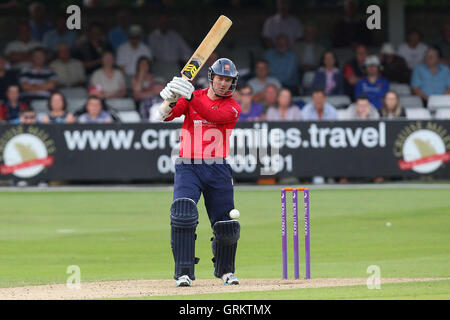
46, 58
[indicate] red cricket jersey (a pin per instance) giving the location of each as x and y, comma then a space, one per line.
207, 125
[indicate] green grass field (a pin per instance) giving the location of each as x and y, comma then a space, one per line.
115, 235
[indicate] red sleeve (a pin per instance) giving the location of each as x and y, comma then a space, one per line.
23, 106
178, 110
228, 112
348, 71
2, 112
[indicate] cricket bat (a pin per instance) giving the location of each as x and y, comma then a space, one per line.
204, 50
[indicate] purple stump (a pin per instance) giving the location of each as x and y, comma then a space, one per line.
295, 232
284, 233
307, 235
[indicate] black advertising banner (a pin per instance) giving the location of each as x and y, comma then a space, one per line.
133, 152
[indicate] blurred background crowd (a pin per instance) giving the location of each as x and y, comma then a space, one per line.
293, 68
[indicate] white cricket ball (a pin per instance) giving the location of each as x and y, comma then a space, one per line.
388, 224
234, 214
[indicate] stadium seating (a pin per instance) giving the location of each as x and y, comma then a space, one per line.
70, 93
339, 101
342, 114
121, 104
129, 116
307, 81
305, 99
401, 89
436, 102
166, 70
75, 104
443, 113
418, 114
39, 106
411, 101
343, 55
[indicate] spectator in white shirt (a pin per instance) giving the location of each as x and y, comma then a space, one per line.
262, 79
285, 110
167, 45
69, 71
282, 23
129, 53
362, 109
109, 81
413, 51
18, 52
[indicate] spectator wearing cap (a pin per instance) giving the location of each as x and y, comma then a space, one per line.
413, 50
38, 81
261, 80
394, 67
168, 45
250, 111
354, 70
7, 77
362, 109
129, 52
392, 108
18, 51
283, 64
69, 72
59, 35
431, 77
374, 86
328, 76
319, 108
282, 23
12, 106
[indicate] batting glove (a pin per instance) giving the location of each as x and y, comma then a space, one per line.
168, 94
182, 87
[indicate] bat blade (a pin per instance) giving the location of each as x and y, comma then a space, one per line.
204, 50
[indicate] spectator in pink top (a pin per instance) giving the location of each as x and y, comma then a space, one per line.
328, 76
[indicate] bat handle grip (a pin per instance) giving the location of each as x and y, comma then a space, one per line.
165, 107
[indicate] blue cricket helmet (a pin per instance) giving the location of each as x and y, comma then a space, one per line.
224, 67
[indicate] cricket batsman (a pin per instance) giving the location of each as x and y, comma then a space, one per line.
210, 116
